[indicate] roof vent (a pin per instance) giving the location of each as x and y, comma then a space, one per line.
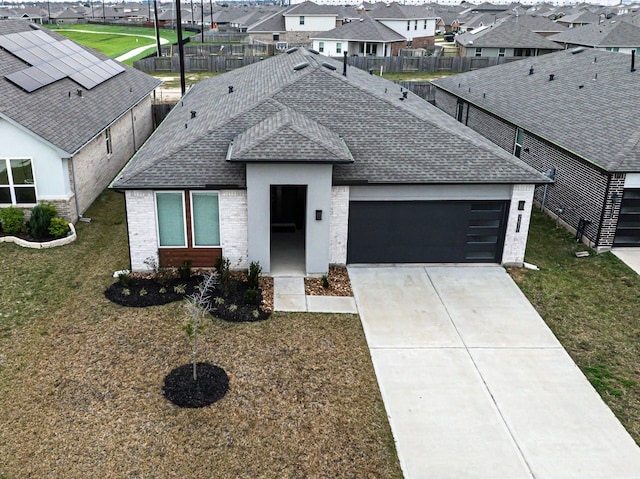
230, 89
578, 50
291, 50
193, 113
633, 61
580, 87
551, 77
531, 71
329, 66
79, 92
300, 66
315, 52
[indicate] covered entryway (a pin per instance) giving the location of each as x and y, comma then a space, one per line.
628, 229
288, 217
426, 231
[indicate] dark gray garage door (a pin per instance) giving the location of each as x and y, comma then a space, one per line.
628, 229
426, 231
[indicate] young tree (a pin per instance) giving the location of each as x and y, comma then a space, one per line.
196, 305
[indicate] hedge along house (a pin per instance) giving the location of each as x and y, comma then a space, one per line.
573, 113
290, 158
70, 118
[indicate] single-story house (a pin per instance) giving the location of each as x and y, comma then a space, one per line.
613, 35
302, 155
504, 39
70, 118
574, 115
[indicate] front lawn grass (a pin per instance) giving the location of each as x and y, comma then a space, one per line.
591, 304
81, 379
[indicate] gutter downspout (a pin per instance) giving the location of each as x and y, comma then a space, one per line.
133, 130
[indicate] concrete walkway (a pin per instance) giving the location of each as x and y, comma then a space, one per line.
289, 295
476, 385
630, 256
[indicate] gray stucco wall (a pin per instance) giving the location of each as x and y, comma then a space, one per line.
317, 178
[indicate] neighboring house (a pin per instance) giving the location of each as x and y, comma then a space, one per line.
416, 24
67, 15
296, 25
538, 24
575, 112
364, 36
291, 156
504, 39
69, 119
579, 19
612, 35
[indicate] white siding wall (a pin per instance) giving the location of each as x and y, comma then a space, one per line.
400, 26
234, 227
141, 221
331, 47
311, 24
339, 225
515, 243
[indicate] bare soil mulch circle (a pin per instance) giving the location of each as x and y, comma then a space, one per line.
211, 386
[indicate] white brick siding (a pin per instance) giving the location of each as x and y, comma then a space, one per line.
339, 225
515, 241
141, 221
234, 227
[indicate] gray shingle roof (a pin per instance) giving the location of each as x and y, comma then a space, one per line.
310, 8
391, 141
364, 29
271, 141
583, 16
611, 33
395, 11
55, 112
590, 108
506, 35
273, 23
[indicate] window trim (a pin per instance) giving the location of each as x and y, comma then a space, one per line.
12, 186
478, 52
301, 20
184, 219
321, 47
193, 227
502, 52
517, 147
108, 140
338, 47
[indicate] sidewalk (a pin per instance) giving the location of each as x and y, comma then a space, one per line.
289, 295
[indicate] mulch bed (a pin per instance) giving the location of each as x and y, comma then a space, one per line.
143, 292
228, 303
211, 386
339, 283
28, 237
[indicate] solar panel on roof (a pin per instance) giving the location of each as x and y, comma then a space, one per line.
52, 60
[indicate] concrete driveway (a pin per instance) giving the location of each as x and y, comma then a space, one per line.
476, 385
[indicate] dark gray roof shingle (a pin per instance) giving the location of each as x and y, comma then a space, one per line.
55, 112
612, 33
364, 29
506, 35
590, 108
390, 140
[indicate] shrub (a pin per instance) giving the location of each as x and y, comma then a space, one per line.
325, 281
51, 209
224, 272
184, 271
124, 279
58, 227
251, 296
180, 289
40, 221
12, 220
143, 292
254, 274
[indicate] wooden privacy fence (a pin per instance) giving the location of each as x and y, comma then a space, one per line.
205, 58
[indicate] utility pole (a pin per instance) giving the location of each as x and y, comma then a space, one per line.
183, 85
211, 13
202, 21
155, 24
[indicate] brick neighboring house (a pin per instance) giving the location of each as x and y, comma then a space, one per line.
63, 142
290, 159
574, 111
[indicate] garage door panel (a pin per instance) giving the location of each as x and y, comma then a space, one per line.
425, 231
628, 229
